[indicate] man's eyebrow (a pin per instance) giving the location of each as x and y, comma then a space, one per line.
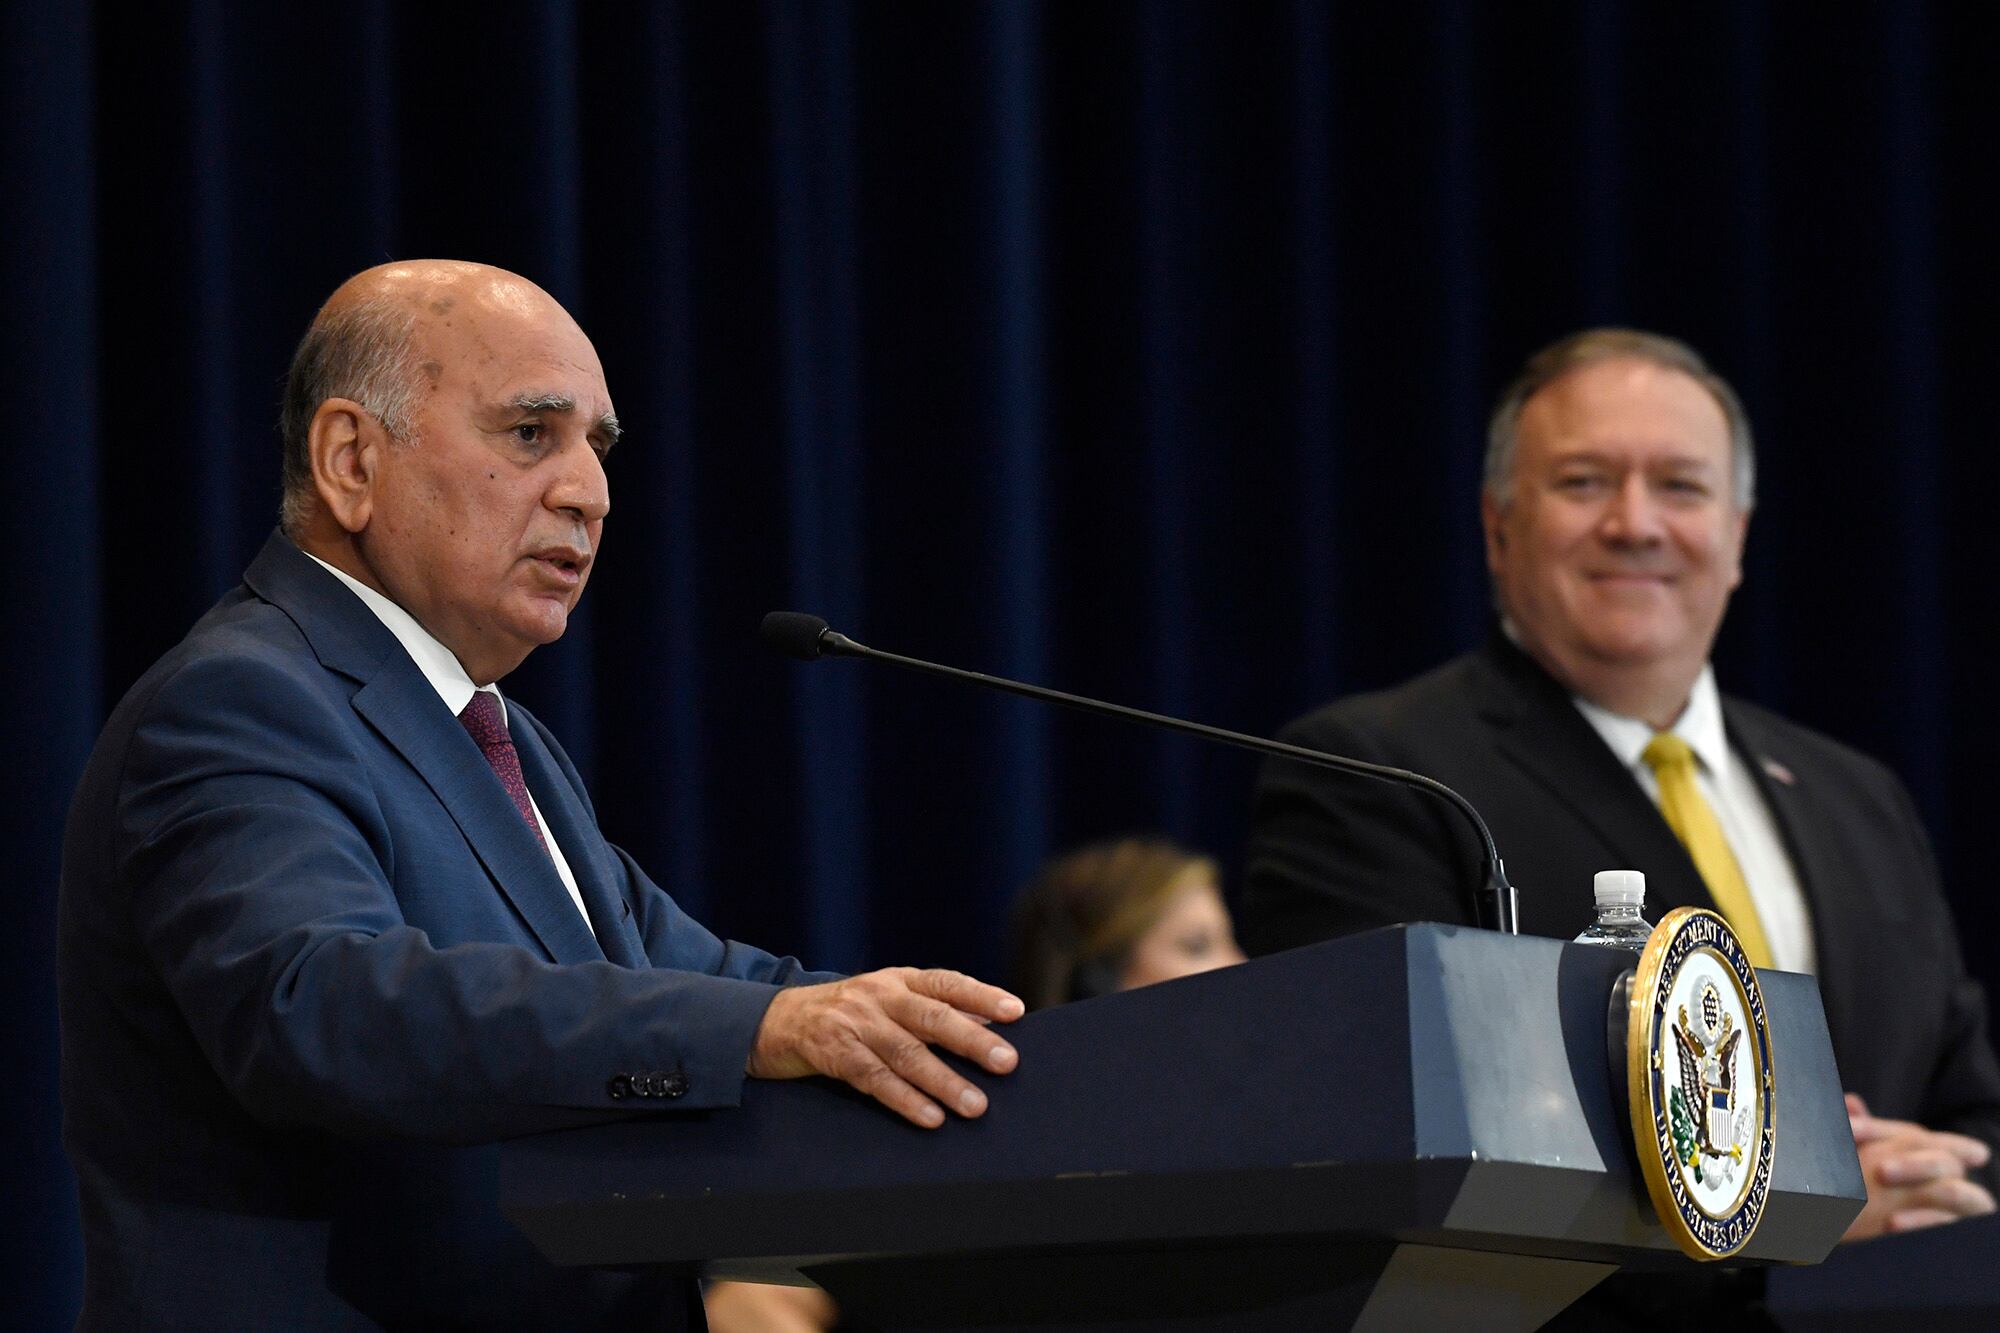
608, 427
542, 402
1588, 454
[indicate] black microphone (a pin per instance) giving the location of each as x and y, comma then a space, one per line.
808, 638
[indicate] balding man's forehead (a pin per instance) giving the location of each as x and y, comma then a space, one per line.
494, 331
429, 270
515, 295
435, 287
465, 321
409, 280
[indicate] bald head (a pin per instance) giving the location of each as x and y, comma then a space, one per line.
434, 290
446, 427
379, 341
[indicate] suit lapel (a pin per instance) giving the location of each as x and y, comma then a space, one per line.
1805, 827
401, 706
416, 722
589, 857
1538, 729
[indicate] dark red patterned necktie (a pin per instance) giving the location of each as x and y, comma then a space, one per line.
481, 719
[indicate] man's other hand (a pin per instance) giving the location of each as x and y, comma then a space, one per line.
1916, 1177
875, 1032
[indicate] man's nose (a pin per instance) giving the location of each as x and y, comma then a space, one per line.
1633, 515
581, 487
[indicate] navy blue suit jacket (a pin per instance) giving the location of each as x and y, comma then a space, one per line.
313, 964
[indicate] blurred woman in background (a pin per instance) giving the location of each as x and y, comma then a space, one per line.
1115, 915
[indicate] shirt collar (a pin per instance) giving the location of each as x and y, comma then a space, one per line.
1700, 725
440, 667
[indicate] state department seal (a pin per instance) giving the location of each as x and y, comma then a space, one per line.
1698, 1067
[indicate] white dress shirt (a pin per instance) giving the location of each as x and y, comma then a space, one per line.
1731, 791
448, 678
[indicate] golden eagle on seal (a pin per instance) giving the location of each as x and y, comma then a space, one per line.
1708, 1072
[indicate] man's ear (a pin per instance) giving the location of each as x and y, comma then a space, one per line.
1742, 521
345, 444
1490, 516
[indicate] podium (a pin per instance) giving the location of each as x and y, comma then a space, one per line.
1417, 1125
1939, 1279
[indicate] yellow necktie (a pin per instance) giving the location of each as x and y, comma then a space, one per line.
1695, 825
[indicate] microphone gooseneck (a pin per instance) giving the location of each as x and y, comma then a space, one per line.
808, 637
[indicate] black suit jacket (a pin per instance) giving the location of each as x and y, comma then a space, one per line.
1330, 855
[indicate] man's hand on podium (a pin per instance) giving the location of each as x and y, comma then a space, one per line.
1915, 1176
875, 1032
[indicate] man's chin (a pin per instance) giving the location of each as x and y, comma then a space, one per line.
542, 621
1636, 646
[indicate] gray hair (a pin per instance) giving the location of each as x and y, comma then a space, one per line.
1610, 344
361, 352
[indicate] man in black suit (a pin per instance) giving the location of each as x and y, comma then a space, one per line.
1619, 484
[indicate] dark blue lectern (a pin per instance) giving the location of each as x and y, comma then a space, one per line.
1413, 1126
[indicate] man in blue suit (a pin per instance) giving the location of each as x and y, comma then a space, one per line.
336, 916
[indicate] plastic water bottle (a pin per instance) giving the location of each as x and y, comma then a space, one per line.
1620, 895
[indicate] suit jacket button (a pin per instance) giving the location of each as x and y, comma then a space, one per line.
620, 1086
676, 1084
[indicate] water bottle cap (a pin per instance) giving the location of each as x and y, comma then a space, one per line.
1625, 887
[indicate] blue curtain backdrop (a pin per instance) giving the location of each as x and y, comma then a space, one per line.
1138, 349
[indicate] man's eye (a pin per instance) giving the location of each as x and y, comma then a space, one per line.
1579, 483
529, 432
